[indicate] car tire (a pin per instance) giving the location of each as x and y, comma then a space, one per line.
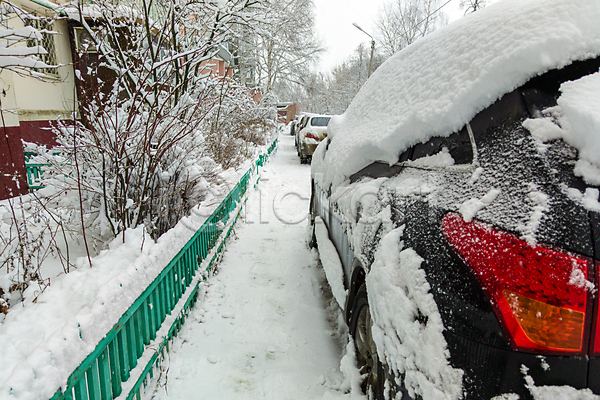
312, 239
366, 352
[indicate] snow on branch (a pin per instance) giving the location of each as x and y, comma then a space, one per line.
21, 50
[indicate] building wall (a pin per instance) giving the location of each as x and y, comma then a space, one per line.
13, 175
256, 95
30, 106
216, 68
287, 114
292, 111
55, 97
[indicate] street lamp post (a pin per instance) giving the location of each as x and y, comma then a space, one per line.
372, 47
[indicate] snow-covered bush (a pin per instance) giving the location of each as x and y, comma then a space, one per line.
237, 126
27, 237
153, 130
29, 234
153, 114
20, 246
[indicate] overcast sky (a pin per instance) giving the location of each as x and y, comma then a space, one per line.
334, 20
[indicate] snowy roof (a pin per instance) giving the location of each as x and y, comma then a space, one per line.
436, 85
94, 11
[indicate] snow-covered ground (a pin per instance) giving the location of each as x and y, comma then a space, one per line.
44, 338
267, 326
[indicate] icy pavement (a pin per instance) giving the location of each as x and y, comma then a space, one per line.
267, 327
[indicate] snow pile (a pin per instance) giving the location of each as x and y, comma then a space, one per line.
589, 199
331, 262
407, 326
555, 392
541, 205
439, 83
44, 341
576, 120
472, 206
353, 377
560, 392
441, 159
544, 129
580, 102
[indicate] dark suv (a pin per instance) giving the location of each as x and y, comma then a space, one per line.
470, 266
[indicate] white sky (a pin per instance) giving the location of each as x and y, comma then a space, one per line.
341, 38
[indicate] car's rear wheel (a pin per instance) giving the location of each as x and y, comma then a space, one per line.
366, 352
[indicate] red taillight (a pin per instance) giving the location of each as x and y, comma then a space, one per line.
540, 295
596, 348
311, 135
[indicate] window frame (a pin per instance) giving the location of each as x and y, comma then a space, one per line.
47, 42
82, 34
406, 158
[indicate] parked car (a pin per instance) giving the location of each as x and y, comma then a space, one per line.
301, 124
294, 124
455, 208
310, 135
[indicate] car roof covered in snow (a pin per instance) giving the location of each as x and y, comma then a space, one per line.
436, 85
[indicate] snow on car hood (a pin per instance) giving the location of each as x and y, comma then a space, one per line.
439, 83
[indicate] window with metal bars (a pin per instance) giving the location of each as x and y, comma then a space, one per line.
47, 43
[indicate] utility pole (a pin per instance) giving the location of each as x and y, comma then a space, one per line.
372, 47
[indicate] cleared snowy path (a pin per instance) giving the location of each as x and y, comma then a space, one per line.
265, 328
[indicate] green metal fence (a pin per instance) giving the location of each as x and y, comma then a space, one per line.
124, 361
35, 172
35, 176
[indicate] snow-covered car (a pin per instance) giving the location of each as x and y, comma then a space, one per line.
294, 124
310, 135
301, 124
455, 206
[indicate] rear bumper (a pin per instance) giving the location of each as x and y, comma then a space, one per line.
307, 149
490, 371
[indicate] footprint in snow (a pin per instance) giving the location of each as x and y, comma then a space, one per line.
212, 359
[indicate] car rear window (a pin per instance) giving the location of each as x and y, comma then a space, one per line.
540, 96
320, 121
458, 145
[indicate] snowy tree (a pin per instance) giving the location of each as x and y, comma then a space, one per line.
401, 22
156, 126
472, 5
285, 44
20, 48
332, 93
142, 152
236, 125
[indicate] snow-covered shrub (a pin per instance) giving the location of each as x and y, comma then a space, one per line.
29, 234
156, 125
153, 130
237, 126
